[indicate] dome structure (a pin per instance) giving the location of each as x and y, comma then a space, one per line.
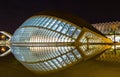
48, 42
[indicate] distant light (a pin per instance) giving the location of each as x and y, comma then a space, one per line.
3, 36
3, 49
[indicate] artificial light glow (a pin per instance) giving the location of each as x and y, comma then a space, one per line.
4, 43
3, 49
3, 36
46, 43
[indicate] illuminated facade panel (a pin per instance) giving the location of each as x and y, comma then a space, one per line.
112, 31
46, 43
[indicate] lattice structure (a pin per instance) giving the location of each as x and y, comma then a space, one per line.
5, 48
47, 43
112, 31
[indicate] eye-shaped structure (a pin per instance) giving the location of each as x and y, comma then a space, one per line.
50, 41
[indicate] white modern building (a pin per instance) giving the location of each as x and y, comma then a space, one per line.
49, 41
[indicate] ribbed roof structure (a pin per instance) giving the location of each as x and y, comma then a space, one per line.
48, 42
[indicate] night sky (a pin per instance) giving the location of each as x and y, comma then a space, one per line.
14, 12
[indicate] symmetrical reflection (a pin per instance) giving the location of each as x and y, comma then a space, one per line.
110, 55
4, 43
53, 60
46, 43
112, 31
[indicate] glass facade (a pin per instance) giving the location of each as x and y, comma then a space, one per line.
46, 43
